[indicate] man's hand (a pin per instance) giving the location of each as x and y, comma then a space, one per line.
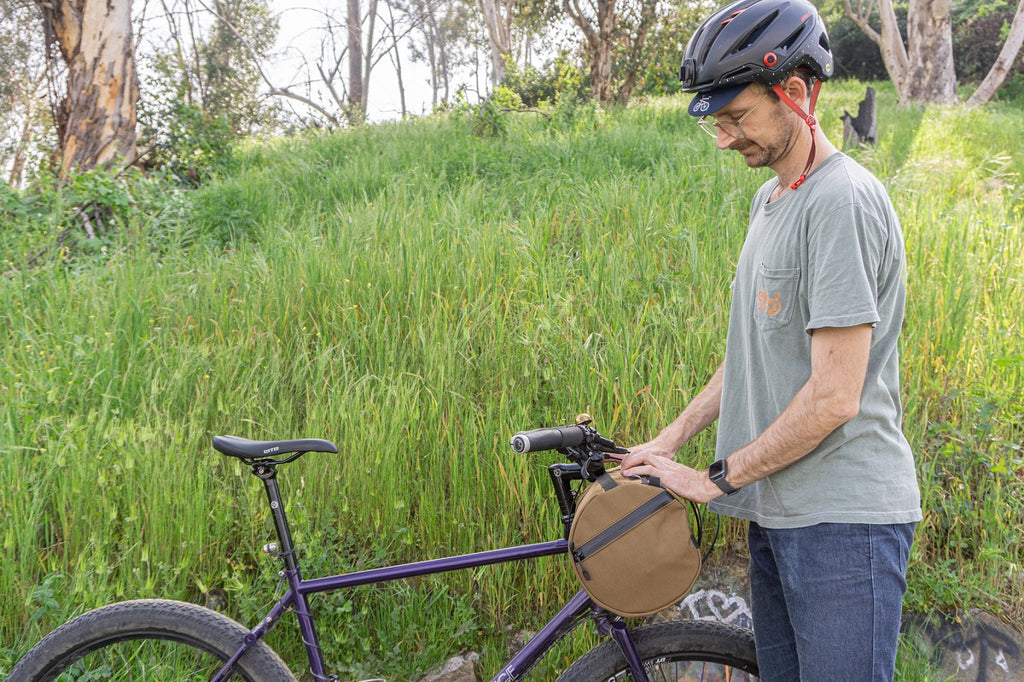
686, 482
654, 448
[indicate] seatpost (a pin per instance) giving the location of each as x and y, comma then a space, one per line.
267, 472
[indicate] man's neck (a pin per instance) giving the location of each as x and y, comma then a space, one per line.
792, 165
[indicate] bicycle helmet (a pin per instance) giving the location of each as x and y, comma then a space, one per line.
749, 41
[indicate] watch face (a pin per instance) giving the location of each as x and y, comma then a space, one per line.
717, 473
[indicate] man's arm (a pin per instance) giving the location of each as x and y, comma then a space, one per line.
697, 416
829, 399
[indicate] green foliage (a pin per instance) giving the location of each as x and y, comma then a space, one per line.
13, 210
188, 142
195, 107
244, 33
560, 77
89, 215
573, 115
416, 294
978, 38
488, 119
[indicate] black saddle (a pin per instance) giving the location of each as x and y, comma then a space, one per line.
246, 449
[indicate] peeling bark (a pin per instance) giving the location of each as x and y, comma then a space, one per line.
931, 77
98, 112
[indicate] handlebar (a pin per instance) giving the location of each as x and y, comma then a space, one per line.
583, 445
581, 442
538, 440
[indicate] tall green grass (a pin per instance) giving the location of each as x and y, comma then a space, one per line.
416, 294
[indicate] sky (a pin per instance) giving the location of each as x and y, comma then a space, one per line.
300, 34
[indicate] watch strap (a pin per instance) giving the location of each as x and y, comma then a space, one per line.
717, 472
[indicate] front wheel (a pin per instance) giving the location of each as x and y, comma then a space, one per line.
678, 651
147, 639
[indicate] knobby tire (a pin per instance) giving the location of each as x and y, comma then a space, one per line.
148, 639
679, 650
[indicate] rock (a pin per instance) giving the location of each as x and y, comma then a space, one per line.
968, 647
455, 669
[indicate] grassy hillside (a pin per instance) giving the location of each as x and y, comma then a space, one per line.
417, 293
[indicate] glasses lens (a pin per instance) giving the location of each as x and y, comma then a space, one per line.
728, 127
731, 129
708, 127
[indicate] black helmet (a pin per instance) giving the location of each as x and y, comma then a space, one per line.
749, 41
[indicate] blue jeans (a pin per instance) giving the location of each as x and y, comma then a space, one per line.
827, 600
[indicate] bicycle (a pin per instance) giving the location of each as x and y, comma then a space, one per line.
153, 639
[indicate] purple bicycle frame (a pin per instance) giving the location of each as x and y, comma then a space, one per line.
298, 589
515, 669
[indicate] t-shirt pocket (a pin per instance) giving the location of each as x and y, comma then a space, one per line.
775, 296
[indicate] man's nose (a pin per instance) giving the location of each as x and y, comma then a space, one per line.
724, 139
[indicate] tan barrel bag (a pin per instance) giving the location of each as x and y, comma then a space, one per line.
631, 545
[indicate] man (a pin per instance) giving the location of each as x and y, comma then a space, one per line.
810, 448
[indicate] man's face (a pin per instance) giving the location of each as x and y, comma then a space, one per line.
767, 127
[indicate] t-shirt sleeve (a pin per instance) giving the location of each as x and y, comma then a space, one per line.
845, 251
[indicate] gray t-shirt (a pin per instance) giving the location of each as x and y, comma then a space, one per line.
829, 254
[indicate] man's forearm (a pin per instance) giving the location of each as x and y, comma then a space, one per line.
698, 415
829, 399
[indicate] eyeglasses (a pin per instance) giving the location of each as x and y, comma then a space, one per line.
730, 128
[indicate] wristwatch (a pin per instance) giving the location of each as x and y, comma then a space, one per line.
717, 473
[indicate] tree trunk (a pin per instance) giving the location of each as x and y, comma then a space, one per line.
889, 40
395, 54
648, 14
368, 60
931, 78
499, 35
98, 113
599, 44
355, 63
996, 75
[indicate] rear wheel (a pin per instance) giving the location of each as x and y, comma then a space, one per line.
147, 640
680, 651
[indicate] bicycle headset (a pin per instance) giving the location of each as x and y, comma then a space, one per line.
756, 41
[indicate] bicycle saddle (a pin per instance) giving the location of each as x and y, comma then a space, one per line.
243, 448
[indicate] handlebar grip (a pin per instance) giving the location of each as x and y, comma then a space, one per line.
538, 440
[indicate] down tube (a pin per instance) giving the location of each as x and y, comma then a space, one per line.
563, 621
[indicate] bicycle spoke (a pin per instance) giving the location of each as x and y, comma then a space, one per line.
144, 661
692, 671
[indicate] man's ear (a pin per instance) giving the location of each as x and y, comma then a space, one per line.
796, 89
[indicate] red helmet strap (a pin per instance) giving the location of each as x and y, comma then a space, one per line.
808, 118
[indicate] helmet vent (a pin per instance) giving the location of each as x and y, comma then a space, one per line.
736, 75
792, 39
754, 34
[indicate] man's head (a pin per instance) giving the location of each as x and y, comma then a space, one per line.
753, 41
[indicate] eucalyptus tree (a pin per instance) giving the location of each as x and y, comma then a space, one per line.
497, 16
97, 115
922, 67
610, 26
445, 32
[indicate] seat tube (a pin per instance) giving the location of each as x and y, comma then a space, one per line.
267, 472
